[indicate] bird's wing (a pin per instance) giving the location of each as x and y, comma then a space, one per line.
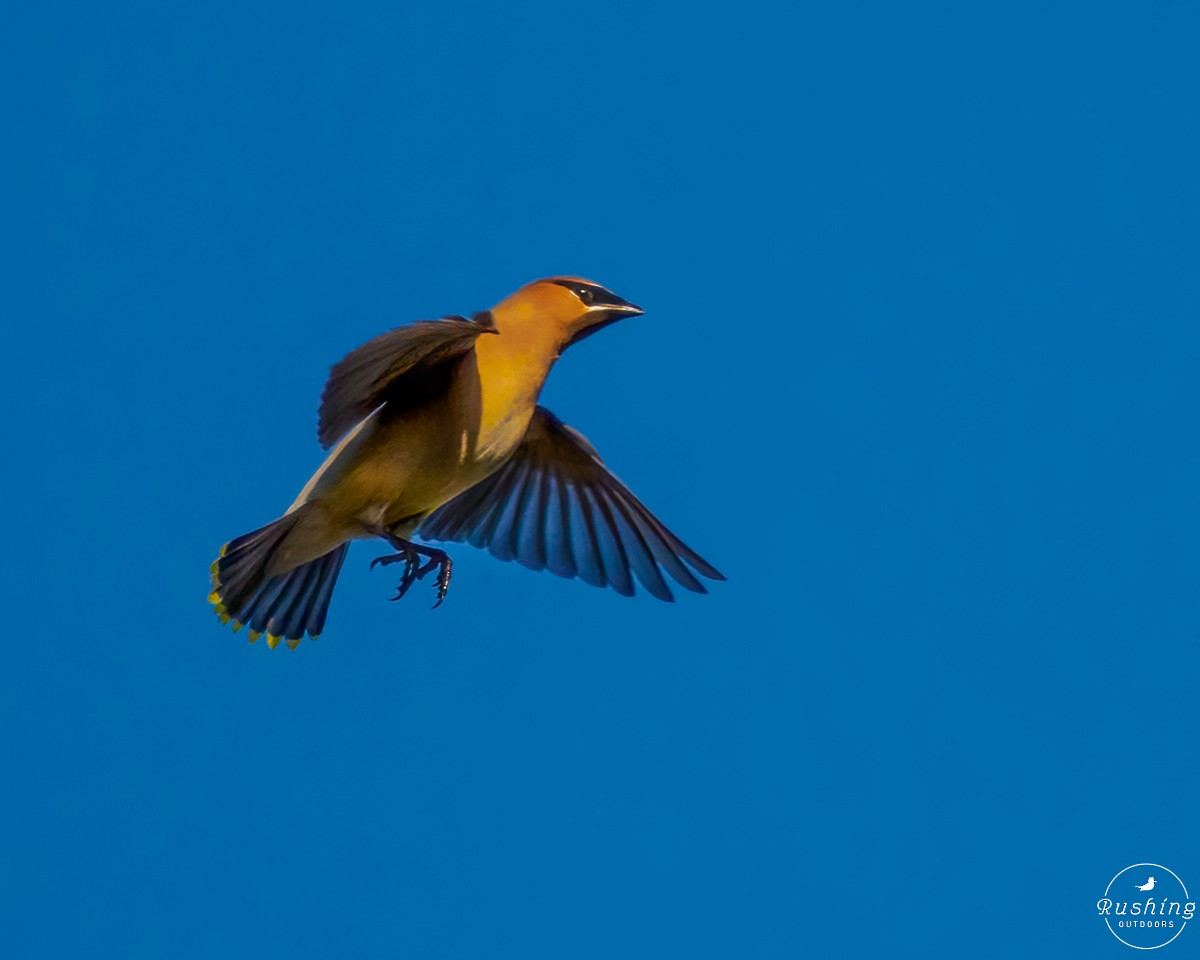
555, 506
401, 366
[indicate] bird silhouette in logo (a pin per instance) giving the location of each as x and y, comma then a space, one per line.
1147, 886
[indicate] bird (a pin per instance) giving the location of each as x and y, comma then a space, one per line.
1147, 886
435, 431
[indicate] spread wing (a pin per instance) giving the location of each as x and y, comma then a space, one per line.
555, 506
402, 366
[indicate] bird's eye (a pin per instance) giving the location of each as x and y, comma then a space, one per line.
589, 294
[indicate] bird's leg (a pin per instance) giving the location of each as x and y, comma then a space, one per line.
411, 554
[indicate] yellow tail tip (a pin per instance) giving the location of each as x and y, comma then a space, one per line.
293, 642
272, 641
253, 635
213, 568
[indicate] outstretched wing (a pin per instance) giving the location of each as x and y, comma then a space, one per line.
402, 366
555, 506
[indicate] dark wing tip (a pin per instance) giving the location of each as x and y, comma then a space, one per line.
662, 593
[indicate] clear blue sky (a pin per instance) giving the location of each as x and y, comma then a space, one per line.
918, 371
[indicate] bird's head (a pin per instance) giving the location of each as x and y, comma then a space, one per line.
565, 309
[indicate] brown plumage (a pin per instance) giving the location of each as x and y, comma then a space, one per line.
438, 434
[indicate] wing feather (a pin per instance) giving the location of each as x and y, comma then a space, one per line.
556, 506
401, 367
587, 545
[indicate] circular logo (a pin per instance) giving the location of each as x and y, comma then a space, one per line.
1146, 906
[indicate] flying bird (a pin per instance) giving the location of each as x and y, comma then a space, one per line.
1147, 886
437, 433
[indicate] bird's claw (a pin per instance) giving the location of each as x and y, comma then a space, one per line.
406, 581
409, 558
389, 560
414, 570
443, 580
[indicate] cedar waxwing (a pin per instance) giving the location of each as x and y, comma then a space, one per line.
438, 434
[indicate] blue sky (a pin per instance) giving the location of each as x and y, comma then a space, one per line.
917, 371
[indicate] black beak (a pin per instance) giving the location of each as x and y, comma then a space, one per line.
601, 315
616, 306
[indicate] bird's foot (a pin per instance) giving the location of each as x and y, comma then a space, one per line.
411, 554
410, 558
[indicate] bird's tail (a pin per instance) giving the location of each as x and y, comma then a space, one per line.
285, 606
